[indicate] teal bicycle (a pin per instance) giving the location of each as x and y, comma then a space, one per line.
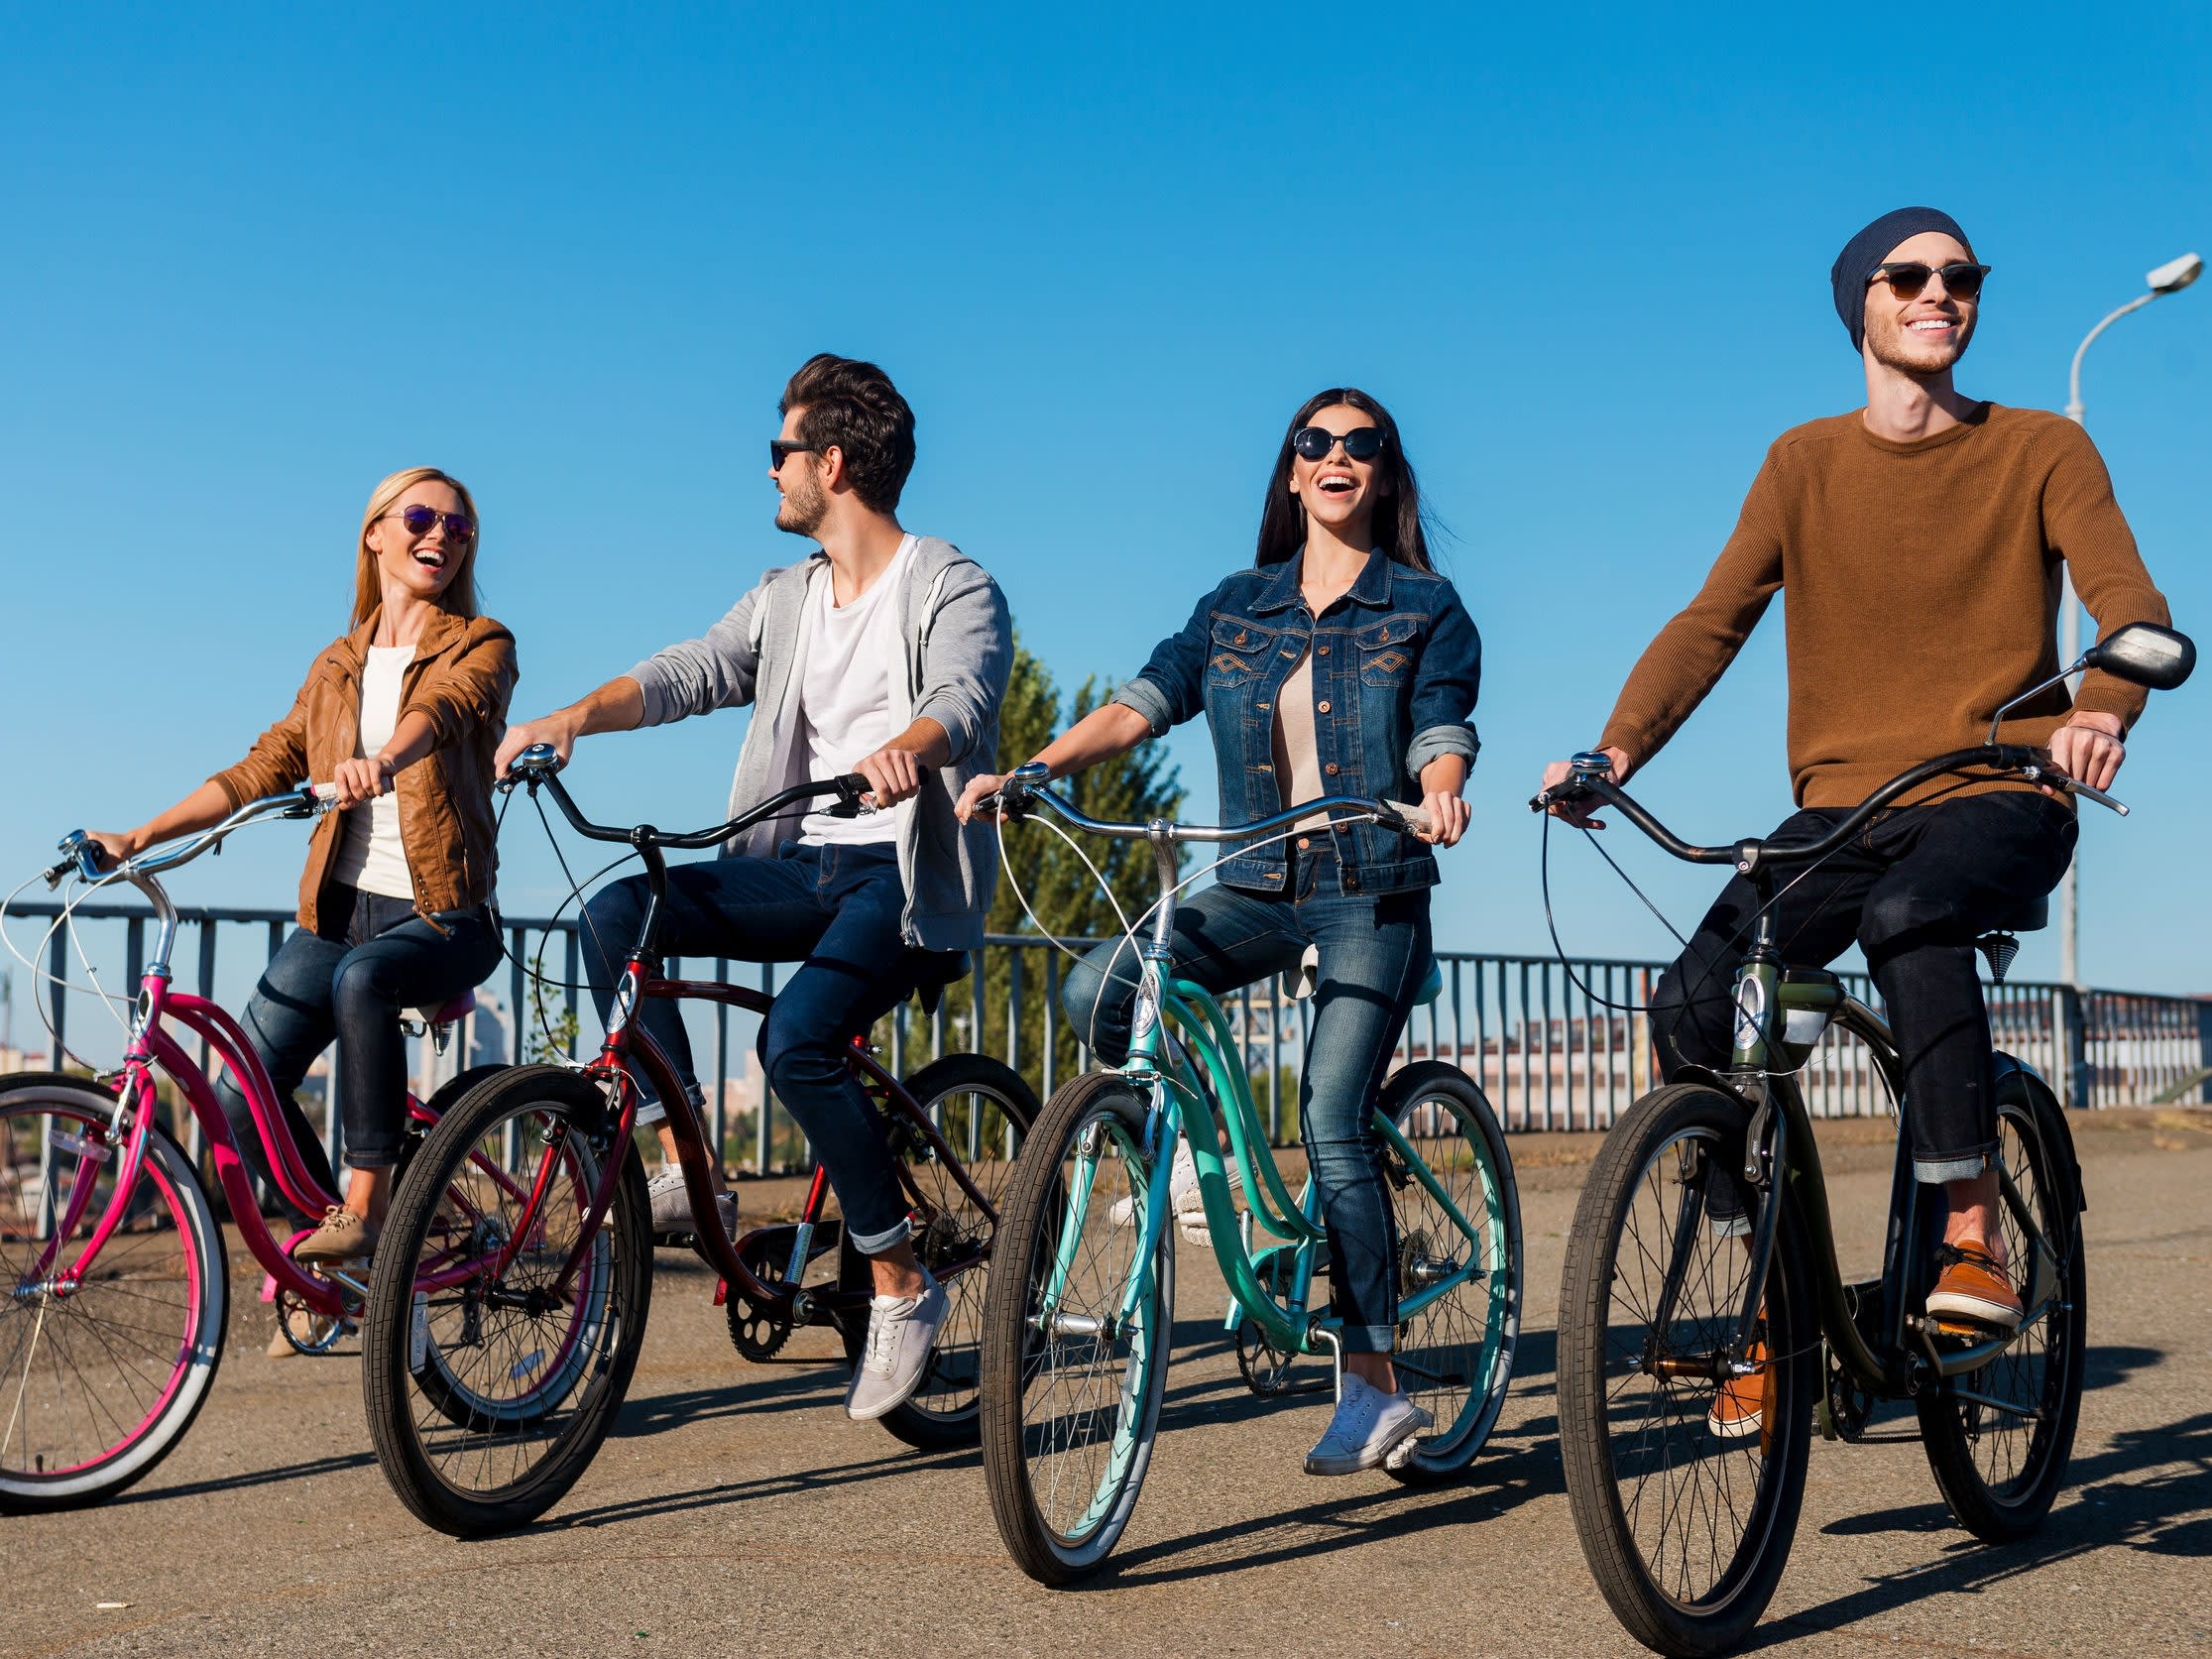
1080, 1311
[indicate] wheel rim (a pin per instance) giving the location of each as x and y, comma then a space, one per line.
2008, 1451
85, 1376
1087, 1399
1698, 1507
982, 1126
1453, 1353
496, 1387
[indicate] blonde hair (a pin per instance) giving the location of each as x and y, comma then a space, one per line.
460, 595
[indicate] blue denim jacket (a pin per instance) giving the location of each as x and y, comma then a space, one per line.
1396, 666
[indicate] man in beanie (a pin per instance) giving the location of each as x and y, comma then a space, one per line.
1918, 539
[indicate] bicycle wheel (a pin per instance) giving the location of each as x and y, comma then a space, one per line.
1071, 1392
1998, 1439
1455, 1353
99, 1382
984, 1110
490, 1389
1685, 1530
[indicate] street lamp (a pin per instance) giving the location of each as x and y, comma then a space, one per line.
2169, 278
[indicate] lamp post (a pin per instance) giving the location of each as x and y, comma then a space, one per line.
2169, 278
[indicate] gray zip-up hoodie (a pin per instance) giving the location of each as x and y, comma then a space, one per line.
958, 649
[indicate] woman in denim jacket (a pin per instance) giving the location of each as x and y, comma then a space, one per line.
1339, 664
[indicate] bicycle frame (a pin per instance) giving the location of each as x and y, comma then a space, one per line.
1780, 1135
628, 1048
1177, 1096
151, 1046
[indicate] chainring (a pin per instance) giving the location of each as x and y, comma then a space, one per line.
1264, 1366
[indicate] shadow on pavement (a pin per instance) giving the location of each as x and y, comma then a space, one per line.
895, 1460
2150, 1490
247, 1478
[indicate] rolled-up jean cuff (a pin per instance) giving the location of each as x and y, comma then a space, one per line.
875, 1244
353, 1162
1935, 1172
1730, 1227
650, 1111
1368, 1339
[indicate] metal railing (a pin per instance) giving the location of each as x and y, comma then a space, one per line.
1556, 1047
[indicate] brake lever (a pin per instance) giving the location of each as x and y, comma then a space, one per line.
2041, 771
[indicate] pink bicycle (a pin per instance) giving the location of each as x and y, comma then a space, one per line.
113, 1263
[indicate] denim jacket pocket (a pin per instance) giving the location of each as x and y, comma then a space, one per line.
1237, 653
1386, 649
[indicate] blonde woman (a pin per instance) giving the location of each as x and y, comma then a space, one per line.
403, 712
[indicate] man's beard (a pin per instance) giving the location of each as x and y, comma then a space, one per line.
803, 510
1887, 342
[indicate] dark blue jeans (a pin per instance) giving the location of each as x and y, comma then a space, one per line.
371, 958
1374, 950
836, 907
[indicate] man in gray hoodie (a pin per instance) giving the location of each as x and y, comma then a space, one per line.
882, 653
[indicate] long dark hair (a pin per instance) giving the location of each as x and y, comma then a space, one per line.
1397, 530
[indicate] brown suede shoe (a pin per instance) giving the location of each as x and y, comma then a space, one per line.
342, 1236
1974, 1289
1744, 1404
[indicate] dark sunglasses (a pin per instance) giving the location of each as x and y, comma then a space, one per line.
1908, 277
420, 520
1362, 443
781, 451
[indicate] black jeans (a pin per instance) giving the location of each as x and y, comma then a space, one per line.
370, 959
837, 908
1915, 889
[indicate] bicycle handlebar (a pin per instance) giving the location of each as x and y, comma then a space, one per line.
2033, 765
1023, 786
82, 854
537, 764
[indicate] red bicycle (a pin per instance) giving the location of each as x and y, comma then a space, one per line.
494, 1287
111, 1255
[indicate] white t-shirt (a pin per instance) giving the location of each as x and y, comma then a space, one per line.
371, 857
848, 654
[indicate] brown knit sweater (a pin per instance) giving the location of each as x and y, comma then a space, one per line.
1923, 585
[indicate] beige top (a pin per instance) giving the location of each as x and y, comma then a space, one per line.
1297, 756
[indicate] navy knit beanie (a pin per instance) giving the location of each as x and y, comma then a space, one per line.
1855, 265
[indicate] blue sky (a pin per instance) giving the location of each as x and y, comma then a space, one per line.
260, 259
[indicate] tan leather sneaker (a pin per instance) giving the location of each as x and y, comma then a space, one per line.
342, 1236
1744, 1406
1974, 1289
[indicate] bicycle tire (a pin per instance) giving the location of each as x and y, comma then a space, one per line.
1969, 1442
1107, 1451
594, 1331
1660, 1601
945, 1409
1460, 1382
145, 1365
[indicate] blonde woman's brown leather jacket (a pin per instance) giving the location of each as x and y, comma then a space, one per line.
461, 676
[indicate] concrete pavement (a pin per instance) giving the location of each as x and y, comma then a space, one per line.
735, 1510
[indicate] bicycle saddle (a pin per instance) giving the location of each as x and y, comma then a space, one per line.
448, 1014
2030, 917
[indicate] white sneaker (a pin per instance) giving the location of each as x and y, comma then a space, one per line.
900, 1331
1371, 1430
1183, 1197
671, 1207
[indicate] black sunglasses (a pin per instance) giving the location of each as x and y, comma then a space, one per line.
1908, 277
782, 449
1362, 443
420, 520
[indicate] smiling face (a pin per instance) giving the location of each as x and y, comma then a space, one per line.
803, 502
422, 566
1928, 333
1337, 491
